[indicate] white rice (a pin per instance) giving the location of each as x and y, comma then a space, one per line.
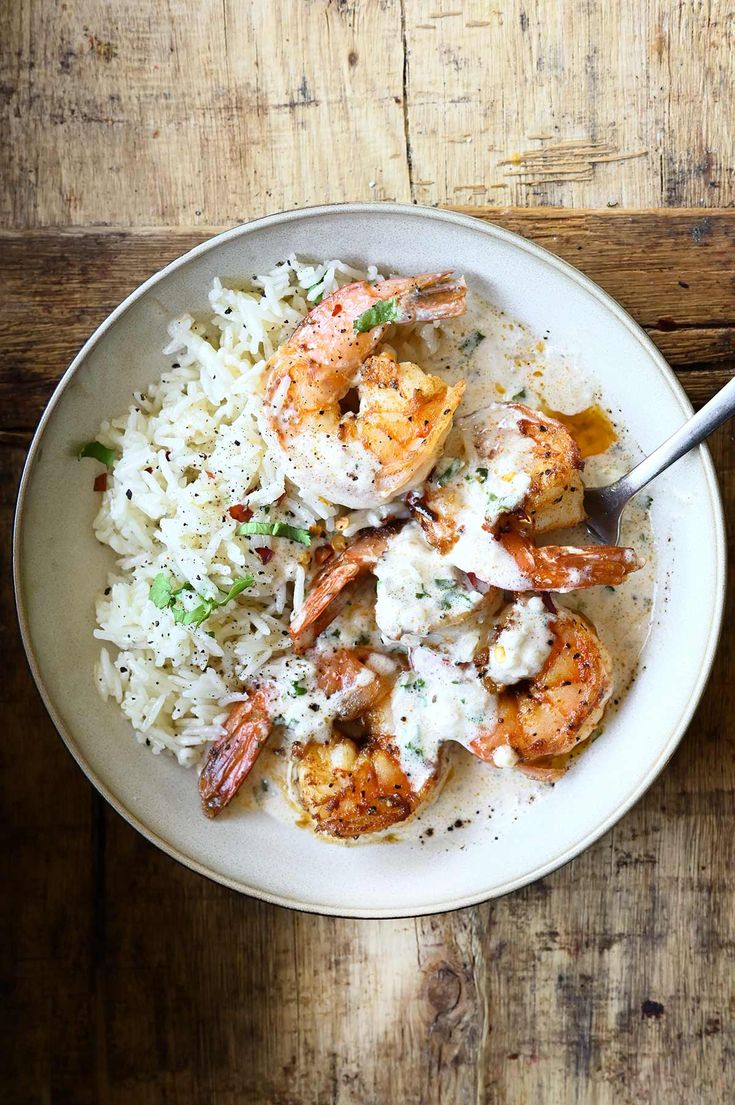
189, 448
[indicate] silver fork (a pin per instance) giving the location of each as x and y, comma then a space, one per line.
605, 505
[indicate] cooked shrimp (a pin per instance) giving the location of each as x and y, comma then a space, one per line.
232, 756
568, 567
558, 708
350, 790
517, 461
328, 591
365, 457
520, 477
419, 592
344, 676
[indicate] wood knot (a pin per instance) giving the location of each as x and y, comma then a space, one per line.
444, 989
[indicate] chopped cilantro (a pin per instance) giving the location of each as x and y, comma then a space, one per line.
298, 689
275, 529
519, 395
452, 469
381, 312
98, 452
164, 595
471, 342
161, 591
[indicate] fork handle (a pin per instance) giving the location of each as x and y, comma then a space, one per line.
720, 407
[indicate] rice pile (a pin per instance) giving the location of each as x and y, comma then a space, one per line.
189, 448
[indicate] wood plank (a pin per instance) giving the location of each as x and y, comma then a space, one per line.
674, 271
608, 981
576, 104
198, 113
216, 112
50, 950
126, 977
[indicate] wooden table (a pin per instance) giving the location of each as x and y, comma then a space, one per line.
135, 129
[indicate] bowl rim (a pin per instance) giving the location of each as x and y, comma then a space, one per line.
492, 230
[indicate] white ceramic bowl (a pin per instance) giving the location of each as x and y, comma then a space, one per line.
59, 566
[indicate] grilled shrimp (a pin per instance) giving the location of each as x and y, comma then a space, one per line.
520, 478
524, 463
351, 686
546, 717
419, 592
363, 457
350, 790
327, 592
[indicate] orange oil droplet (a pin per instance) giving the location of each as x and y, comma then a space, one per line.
591, 429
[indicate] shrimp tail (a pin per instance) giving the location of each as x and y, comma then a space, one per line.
432, 295
567, 567
328, 592
233, 755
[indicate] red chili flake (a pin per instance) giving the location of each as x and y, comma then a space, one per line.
336, 310
240, 512
100, 483
149, 470
323, 554
210, 474
264, 553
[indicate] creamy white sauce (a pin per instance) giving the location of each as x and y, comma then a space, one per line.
297, 702
477, 551
437, 701
419, 590
324, 465
523, 644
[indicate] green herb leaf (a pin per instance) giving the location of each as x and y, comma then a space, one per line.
451, 470
518, 395
385, 310
422, 594
198, 615
482, 474
298, 689
161, 592
275, 529
237, 587
452, 593
363, 639
471, 342
98, 452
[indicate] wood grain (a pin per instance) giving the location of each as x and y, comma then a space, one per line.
674, 271
210, 113
128, 978
140, 128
